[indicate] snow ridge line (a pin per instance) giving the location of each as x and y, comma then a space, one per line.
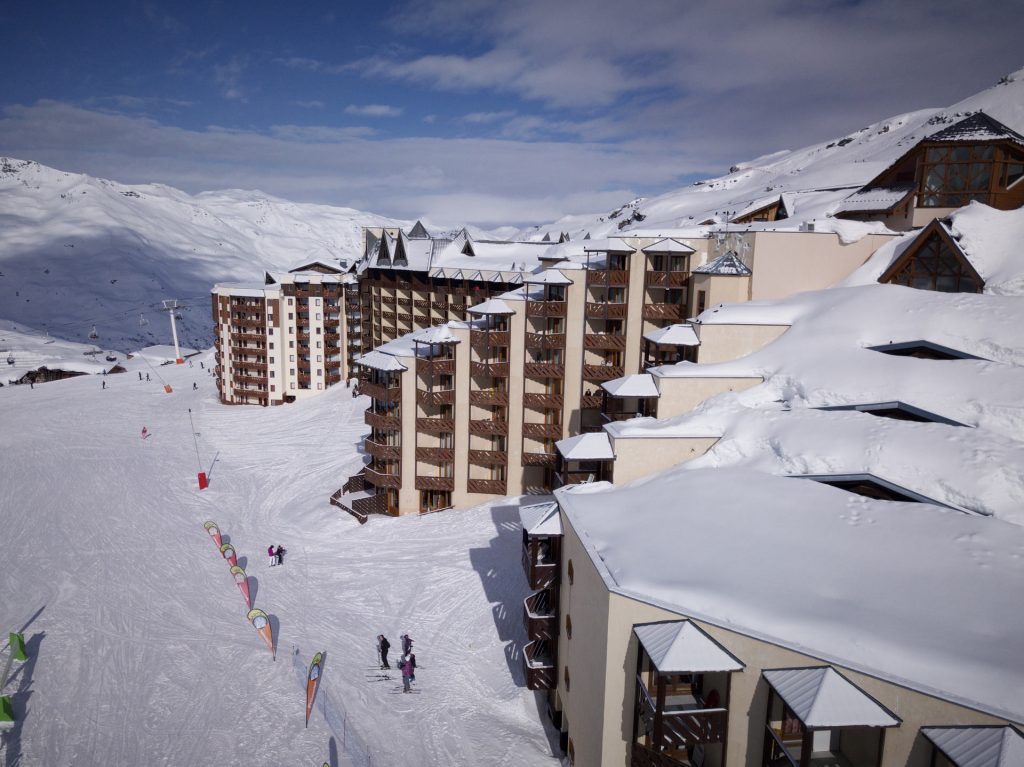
335, 716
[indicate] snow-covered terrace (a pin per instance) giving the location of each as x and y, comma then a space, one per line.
936, 611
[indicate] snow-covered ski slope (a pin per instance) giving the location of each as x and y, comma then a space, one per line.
140, 651
77, 251
814, 178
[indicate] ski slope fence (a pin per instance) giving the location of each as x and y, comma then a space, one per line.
335, 715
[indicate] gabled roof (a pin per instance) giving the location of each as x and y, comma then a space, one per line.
680, 334
593, 446
636, 385
977, 127
419, 232
680, 647
727, 263
934, 229
668, 246
978, 746
822, 699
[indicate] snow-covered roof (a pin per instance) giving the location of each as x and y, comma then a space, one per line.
680, 334
727, 263
547, 277
741, 368
380, 361
874, 199
978, 746
680, 647
491, 306
668, 246
608, 245
438, 334
541, 519
977, 127
822, 698
924, 581
593, 446
246, 290
636, 385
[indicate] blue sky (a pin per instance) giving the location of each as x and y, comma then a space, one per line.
474, 111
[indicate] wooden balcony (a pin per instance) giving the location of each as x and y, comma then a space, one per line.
380, 450
539, 401
439, 306
601, 310
259, 322
490, 486
604, 341
488, 457
383, 422
389, 316
380, 393
542, 430
375, 504
602, 372
406, 302
382, 480
663, 312
258, 338
435, 483
545, 308
602, 277
354, 483
484, 339
389, 300
241, 365
332, 337
492, 369
246, 379
545, 340
543, 370
541, 669
435, 398
419, 303
540, 615
435, 425
485, 398
540, 459
666, 279
680, 729
591, 401
435, 454
332, 378
487, 427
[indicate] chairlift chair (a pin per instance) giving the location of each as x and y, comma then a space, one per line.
143, 321
93, 334
10, 359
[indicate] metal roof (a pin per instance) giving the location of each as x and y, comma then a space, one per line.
822, 699
593, 446
547, 277
680, 334
491, 306
541, 519
681, 647
978, 746
439, 334
636, 385
670, 247
380, 361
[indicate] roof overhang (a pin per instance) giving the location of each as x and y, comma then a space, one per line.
823, 699
681, 647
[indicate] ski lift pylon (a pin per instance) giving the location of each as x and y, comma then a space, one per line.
93, 334
143, 321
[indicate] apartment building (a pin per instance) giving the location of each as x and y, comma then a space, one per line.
285, 339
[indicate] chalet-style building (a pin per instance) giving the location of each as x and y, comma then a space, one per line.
977, 159
935, 261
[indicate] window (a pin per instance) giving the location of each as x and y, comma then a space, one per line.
934, 266
953, 176
317, 344
319, 372
319, 358
273, 388
291, 371
290, 300
291, 344
291, 358
318, 313
319, 385
702, 301
291, 315
271, 361
270, 345
292, 386
317, 302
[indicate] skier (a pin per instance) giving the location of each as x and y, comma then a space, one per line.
104, 384
147, 376
271, 555
408, 671
140, 375
383, 645
145, 432
406, 644
279, 554
201, 366
195, 386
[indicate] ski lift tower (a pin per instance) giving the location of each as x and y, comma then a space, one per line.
171, 307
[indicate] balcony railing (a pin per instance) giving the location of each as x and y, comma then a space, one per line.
545, 340
435, 398
540, 615
591, 401
383, 422
245, 379
435, 483
488, 338
600, 277
662, 312
604, 341
545, 308
666, 279
493, 369
380, 450
488, 457
249, 323
602, 372
436, 454
491, 486
539, 662
383, 480
485, 398
250, 365
379, 392
542, 430
540, 459
543, 370
435, 425
542, 401
487, 427
429, 366
603, 310
684, 728
259, 338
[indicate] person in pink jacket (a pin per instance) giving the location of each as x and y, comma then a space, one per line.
408, 672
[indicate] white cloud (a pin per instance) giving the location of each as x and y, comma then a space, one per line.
373, 110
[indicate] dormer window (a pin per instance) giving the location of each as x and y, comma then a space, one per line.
952, 176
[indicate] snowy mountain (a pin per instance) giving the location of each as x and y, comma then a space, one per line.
813, 179
78, 252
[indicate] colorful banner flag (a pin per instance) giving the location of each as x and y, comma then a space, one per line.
214, 531
228, 552
313, 682
243, 583
261, 623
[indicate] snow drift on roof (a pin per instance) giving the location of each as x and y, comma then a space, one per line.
822, 698
679, 647
977, 127
491, 306
380, 361
680, 334
439, 334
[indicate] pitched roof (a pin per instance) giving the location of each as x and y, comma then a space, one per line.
977, 127
636, 385
822, 699
593, 446
727, 263
419, 232
380, 361
547, 277
978, 746
680, 334
876, 199
491, 306
680, 647
439, 334
541, 519
669, 246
